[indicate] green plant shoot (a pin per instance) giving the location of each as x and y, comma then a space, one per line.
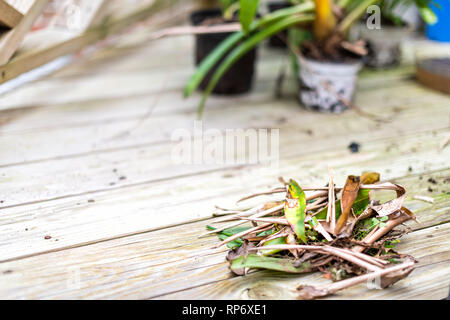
294, 209
248, 10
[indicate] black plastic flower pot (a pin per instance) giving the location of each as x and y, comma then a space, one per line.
239, 78
276, 41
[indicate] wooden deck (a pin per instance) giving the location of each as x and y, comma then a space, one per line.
86, 160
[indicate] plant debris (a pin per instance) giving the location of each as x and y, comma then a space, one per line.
344, 233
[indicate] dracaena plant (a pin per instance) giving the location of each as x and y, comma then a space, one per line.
325, 18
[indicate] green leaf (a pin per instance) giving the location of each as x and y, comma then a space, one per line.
269, 263
223, 235
247, 12
296, 215
273, 242
428, 15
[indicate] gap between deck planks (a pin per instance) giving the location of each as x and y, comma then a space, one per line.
162, 264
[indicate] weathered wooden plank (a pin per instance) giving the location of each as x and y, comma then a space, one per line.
10, 40
175, 264
21, 5
9, 16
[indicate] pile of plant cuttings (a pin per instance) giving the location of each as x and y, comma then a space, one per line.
343, 232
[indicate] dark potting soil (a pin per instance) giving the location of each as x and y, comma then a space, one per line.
329, 50
239, 78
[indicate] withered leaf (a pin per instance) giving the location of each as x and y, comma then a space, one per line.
239, 265
243, 250
394, 205
349, 195
310, 292
369, 177
391, 278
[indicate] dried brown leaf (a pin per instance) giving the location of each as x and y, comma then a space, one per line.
349, 194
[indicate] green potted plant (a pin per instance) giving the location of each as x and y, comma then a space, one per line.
238, 79
329, 63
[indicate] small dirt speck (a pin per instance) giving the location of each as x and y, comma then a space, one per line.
122, 178
430, 236
410, 169
7, 272
91, 200
429, 189
432, 180
354, 147
47, 237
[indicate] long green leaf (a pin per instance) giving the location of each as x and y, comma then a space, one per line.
245, 47
273, 242
269, 263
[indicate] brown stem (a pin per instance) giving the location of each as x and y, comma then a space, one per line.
316, 292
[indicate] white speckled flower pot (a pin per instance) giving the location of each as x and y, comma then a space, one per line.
325, 85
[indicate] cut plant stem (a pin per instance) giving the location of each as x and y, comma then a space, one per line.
258, 215
193, 30
271, 220
319, 228
424, 198
281, 190
331, 213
